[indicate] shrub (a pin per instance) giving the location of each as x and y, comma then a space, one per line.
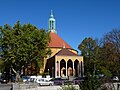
69, 87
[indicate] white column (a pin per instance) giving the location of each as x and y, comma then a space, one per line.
55, 69
66, 70
59, 68
79, 69
73, 68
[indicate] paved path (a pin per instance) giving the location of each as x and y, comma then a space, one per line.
5, 86
36, 87
49, 88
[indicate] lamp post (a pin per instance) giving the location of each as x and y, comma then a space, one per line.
11, 73
48, 71
11, 88
22, 70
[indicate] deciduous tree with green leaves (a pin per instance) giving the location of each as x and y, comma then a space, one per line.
23, 46
91, 52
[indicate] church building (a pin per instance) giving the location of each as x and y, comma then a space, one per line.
64, 60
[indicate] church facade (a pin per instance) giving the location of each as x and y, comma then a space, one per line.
64, 60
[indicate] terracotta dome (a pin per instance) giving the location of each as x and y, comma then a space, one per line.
57, 42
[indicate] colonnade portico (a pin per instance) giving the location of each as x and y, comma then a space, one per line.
75, 68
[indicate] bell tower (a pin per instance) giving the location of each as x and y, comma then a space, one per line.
52, 23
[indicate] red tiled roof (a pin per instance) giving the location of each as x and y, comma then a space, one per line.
56, 41
66, 52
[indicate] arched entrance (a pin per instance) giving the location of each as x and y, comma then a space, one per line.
69, 71
62, 68
76, 68
63, 72
69, 68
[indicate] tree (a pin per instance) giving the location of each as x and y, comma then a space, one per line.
111, 49
1, 66
113, 37
23, 46
89, 49
93, 64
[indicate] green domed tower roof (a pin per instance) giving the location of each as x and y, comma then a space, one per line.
52, 23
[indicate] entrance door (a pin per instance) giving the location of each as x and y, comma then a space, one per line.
69, 71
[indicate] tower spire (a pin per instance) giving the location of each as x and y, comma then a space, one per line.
52, 23
51, 14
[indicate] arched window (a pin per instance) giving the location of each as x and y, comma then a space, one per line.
52, 24
76, 68
70, 67
62, 67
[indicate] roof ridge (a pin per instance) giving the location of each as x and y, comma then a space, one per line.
66, 52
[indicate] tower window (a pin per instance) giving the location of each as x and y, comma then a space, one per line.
52, 24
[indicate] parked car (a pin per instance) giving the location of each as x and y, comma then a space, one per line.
33, 78
25, 78
44, 82
77, 80
115, 78
4, 80
59, 81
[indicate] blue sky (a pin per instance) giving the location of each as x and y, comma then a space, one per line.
75, 19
